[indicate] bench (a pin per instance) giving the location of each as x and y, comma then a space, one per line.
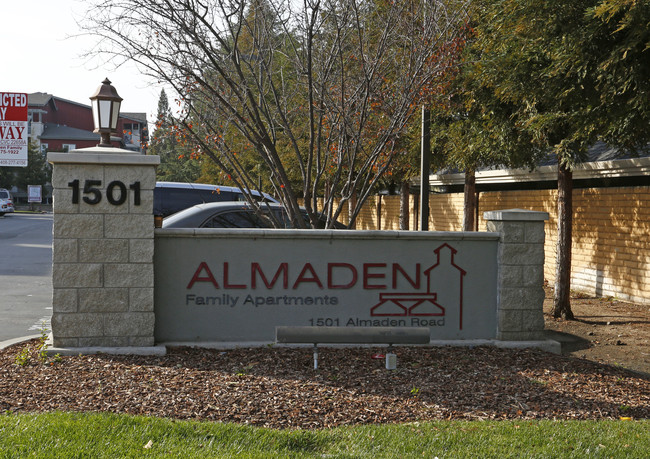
353, 335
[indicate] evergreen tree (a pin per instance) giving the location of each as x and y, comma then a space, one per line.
177, 161
572, 73
37, 172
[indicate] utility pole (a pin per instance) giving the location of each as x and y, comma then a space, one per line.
425, 166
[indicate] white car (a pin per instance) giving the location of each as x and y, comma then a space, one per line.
6, 203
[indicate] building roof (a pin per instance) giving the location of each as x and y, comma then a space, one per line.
42, 98
39, 98
135, 116
601, 152
603, 164
55, 131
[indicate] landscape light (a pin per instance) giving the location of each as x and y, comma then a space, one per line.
106, 109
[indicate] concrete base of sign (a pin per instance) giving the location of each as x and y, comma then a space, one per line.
547, 345
144, 350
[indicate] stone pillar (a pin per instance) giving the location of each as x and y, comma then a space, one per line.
103, 246
521, 273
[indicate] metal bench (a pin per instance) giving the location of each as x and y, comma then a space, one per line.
353, 335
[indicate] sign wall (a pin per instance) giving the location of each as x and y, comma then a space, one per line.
239, 288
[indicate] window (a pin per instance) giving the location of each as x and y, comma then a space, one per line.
171, 200
235, 219
132, 128
69, 146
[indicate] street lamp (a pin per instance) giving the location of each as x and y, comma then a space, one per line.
106, 109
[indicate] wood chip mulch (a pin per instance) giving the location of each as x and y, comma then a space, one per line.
278, 387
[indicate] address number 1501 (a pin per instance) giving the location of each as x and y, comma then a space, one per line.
116, 192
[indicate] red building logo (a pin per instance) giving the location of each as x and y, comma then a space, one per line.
444, 290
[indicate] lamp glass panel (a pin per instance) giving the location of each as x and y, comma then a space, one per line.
116, 114
104, 114
95, 113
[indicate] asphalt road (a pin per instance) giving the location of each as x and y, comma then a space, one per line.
25, 274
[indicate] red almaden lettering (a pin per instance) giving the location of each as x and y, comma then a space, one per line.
350, 268
304, 278
330, 276
367, 275
8, 99
282, 269
208, 277
11, 132
227, 284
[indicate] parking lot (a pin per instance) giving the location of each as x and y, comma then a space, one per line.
25, 274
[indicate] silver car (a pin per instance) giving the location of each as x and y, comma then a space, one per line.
232, 215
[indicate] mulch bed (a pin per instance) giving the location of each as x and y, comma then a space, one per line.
278, 387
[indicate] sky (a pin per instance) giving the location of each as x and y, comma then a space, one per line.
40, 54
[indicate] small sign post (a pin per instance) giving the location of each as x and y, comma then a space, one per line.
14, 138
34, 194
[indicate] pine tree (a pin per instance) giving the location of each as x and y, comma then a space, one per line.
37, 172
177, 163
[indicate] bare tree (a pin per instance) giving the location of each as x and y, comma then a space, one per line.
319, 89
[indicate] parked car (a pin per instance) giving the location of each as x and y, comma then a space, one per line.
172, 197
231, 215
6, 202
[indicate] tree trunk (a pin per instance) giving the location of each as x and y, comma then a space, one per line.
469, 205
352, 204
562, 299
404, 206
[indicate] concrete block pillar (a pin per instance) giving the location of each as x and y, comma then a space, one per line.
103, 246
521, 273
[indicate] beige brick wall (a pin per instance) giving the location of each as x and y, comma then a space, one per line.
446, 212
367, 218
611, 232
611, 237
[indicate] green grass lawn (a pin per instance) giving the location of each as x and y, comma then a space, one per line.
72, 435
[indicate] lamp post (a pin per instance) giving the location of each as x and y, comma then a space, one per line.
106, 110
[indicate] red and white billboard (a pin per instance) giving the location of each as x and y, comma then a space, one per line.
14, 138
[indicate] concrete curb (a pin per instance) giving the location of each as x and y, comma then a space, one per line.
11, 342
145, 350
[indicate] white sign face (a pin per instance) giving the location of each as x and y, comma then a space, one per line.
34, 193
238, 289
14, 138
